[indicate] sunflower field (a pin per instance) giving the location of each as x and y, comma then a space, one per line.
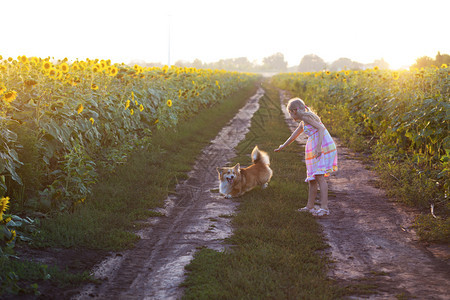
401, 119
60, 120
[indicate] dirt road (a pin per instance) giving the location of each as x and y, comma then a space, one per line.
194, 218
371, 239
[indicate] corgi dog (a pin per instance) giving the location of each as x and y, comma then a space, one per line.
235, 181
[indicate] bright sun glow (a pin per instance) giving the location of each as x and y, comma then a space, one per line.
364, 31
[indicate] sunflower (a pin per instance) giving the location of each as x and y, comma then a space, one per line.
113, 71
92, 120
75, 67
80, 108
376, 68
131, 111
327, 72
23, 59
30, 82
10, 96
13, 236
141, 107
47, 66
127, 104
94, 87
96, 68
444, 66
64, 67
2, 89
3, 205
169, 103
35, 60
52, 73
395, 75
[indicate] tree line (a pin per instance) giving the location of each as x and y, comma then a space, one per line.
276, 63
426, 61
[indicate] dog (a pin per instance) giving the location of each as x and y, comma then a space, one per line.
235, 181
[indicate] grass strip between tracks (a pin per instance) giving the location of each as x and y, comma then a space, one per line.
276, 252
106, 220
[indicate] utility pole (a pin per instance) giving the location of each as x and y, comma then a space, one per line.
168, 55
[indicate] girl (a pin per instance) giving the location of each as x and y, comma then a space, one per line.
320, 154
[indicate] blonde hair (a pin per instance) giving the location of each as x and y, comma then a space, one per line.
297, 102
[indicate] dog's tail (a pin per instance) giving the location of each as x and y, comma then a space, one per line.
259, 156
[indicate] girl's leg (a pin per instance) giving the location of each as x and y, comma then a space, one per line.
312, 193
323, 191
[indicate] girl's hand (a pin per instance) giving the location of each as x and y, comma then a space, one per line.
279, 148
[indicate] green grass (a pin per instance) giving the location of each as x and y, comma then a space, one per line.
106, 220
19, 277
277, 250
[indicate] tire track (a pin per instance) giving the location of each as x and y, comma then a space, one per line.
194, 218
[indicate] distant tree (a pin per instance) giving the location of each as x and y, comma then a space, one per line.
442, 59
242, 64
148, 65
275, 62
381, 64
358, 66
423, 62
342, 64
426, 61
182, 63
197, 63
311, 63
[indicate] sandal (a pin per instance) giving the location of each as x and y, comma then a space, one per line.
321, 212
305, 209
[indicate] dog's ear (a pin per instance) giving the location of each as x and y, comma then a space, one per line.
237, 167
219, 170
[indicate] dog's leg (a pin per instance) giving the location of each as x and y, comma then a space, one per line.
264, 185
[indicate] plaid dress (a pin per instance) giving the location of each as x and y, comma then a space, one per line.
327, 162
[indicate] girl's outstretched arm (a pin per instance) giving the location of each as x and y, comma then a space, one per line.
292, 138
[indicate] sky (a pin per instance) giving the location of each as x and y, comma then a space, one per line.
166, 31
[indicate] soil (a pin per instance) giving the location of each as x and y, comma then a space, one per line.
371, 239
